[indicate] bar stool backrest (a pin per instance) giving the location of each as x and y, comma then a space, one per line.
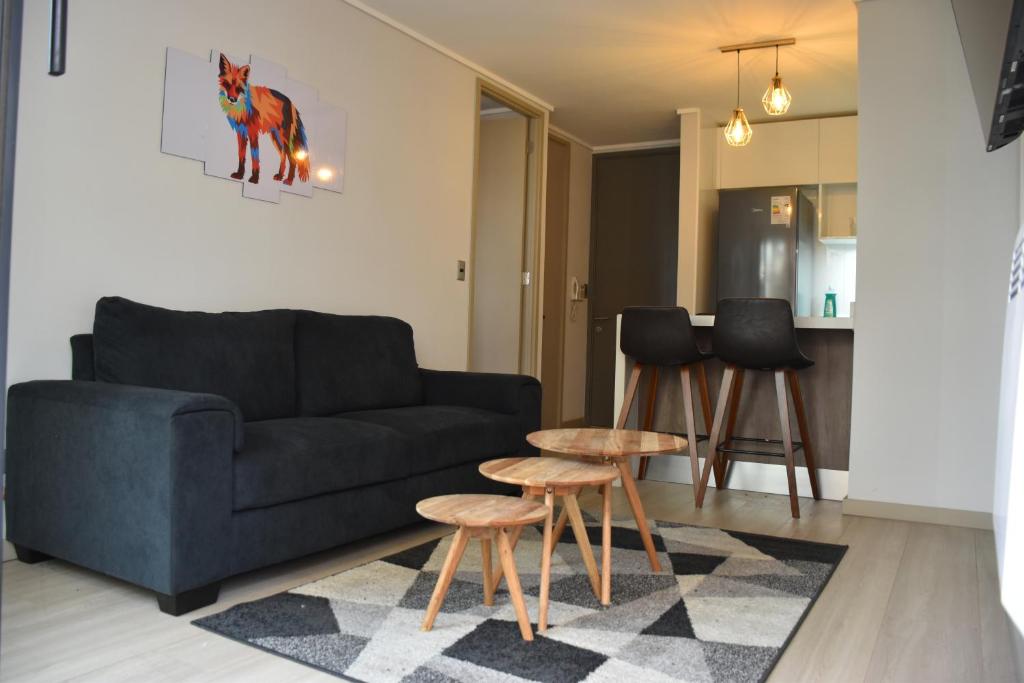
757, 334
660, 336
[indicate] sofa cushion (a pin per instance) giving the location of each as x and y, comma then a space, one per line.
445, 436
295, 458
248, 358
354, 362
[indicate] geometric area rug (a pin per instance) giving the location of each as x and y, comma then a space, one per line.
723, 608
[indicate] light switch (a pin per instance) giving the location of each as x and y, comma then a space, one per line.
460, 273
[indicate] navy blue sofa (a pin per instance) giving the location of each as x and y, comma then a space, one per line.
190, 447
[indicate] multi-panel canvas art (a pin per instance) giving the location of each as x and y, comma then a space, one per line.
248, 122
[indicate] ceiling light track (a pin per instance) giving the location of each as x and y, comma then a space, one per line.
759, 45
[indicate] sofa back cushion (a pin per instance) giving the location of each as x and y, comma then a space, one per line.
354, 362
246, 357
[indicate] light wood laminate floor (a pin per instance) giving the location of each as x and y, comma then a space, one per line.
909, 602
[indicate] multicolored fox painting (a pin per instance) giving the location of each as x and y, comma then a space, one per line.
256, 109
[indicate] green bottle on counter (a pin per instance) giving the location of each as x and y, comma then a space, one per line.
830, 303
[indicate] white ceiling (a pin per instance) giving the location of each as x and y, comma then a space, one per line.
617, 70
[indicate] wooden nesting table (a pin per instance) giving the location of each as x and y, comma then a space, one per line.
611, 446
565, 477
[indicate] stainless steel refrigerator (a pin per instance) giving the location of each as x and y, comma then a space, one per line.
761, 234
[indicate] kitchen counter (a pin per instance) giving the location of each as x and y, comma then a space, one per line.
827, 389
802, 323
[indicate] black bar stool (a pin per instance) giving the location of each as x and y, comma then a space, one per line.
758, 334
662, 337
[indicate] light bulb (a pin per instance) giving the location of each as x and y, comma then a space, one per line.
738, 131
301, 155
325, 174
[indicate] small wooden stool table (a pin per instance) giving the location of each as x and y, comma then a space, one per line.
565, 477
485, 517
615, 446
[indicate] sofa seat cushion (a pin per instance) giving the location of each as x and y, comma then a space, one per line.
295, 458
446, 436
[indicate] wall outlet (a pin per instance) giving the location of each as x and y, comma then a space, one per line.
460, 272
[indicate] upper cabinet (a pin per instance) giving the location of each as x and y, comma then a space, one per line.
837, 150
784, 153
807, 152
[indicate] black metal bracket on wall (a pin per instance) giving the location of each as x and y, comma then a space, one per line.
58, 36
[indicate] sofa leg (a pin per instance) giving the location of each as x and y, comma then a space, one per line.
29, 556
187, 601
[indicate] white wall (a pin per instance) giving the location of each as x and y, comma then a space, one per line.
497, 263
577, 260
936, 219
99, 210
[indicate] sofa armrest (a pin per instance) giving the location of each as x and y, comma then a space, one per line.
130, 481
509, 394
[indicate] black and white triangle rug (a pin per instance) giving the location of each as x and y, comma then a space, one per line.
723, 609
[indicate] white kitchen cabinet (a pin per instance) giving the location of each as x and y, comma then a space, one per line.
783, 153
837, 150
838, 213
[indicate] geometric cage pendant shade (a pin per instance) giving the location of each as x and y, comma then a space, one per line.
776, 98
738, 131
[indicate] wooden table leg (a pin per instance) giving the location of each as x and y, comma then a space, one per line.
626, 474
485, 550
545, 563
579, 528
444, 580
515, 591
563, 521
606, 546
514, 540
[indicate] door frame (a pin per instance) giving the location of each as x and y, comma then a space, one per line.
536, 185
558, 327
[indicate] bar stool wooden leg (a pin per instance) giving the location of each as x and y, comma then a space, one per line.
730, 426
444, 580
545, 563
691, 425
627, 400
606, 546
652, 396
787, 439
629, 486
805, 437
705, 406
485, 557
716, 428
515, 591
579, 528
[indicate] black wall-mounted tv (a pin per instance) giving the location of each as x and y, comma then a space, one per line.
993, 42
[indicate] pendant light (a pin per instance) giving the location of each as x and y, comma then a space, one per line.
738, 131
776, 98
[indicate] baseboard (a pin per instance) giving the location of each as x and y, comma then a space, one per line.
574, 424
752, 476
918, 513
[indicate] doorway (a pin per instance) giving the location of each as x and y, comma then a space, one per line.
633, 255
503, 325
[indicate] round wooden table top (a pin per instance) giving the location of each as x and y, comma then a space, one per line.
536, 471
606, 443
481, 510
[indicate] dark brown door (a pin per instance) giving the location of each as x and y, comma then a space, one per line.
634, 237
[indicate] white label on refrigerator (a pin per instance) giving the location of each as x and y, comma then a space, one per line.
782, 209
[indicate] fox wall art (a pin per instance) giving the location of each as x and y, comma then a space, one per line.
249, 123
